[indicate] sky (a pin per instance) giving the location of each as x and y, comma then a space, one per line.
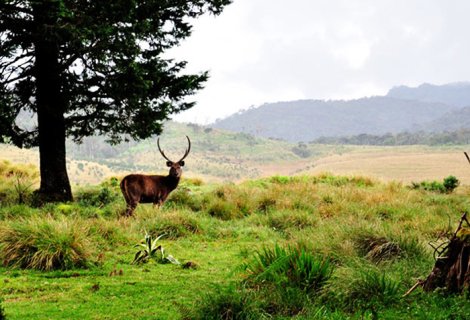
260, 51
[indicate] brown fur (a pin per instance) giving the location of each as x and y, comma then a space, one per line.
140, 188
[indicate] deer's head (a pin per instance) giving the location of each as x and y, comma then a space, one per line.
175, 167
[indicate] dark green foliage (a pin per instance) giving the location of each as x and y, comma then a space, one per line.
119, 45
92, 68
450, 183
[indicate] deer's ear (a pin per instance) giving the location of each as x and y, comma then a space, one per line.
181, 163
169, 163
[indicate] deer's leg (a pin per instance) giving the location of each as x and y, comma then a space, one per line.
130, 208
157, 203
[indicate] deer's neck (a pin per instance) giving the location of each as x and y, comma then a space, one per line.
172, 182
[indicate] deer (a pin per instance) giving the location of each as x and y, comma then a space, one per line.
140, 188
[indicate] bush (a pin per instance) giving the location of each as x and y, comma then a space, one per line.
450, 183
45, 244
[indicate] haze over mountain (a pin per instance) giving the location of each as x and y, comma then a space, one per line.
403, 109
455, 94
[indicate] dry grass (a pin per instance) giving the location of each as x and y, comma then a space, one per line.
404, 164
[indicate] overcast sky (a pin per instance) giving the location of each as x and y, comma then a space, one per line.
261, 51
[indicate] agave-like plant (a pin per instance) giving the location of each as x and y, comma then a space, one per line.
150, 250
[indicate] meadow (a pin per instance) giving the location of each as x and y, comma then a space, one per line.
311, 246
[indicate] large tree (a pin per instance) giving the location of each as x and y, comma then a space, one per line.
92, 67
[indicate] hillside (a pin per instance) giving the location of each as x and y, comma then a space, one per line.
428, 108
455, 94
218, 155
307, 120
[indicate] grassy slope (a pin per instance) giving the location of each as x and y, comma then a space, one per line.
221, 226
222, 156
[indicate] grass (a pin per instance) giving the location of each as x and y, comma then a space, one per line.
309, 247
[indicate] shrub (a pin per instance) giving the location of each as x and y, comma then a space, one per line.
450, 183
45, 244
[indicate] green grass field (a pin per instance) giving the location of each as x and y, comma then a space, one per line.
304, 247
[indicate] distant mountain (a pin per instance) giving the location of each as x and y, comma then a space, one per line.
427, 107
306, 120
456, 94
451, 121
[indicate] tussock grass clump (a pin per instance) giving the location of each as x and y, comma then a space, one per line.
45, 244
224, 210
184, 197
286, 219
279, 282
362, 287
338, 181
173, 224
226, 303
289, 267
17, 182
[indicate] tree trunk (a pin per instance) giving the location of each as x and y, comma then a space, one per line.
51, 106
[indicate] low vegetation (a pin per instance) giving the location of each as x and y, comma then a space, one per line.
309, 247
447, 186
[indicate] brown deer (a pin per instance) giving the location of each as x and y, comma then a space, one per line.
140, 188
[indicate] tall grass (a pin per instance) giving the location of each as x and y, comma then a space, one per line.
293, 266
17, 182
45, 244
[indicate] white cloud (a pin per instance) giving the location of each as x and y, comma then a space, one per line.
270, 50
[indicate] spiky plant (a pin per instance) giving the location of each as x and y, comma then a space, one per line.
150, 250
